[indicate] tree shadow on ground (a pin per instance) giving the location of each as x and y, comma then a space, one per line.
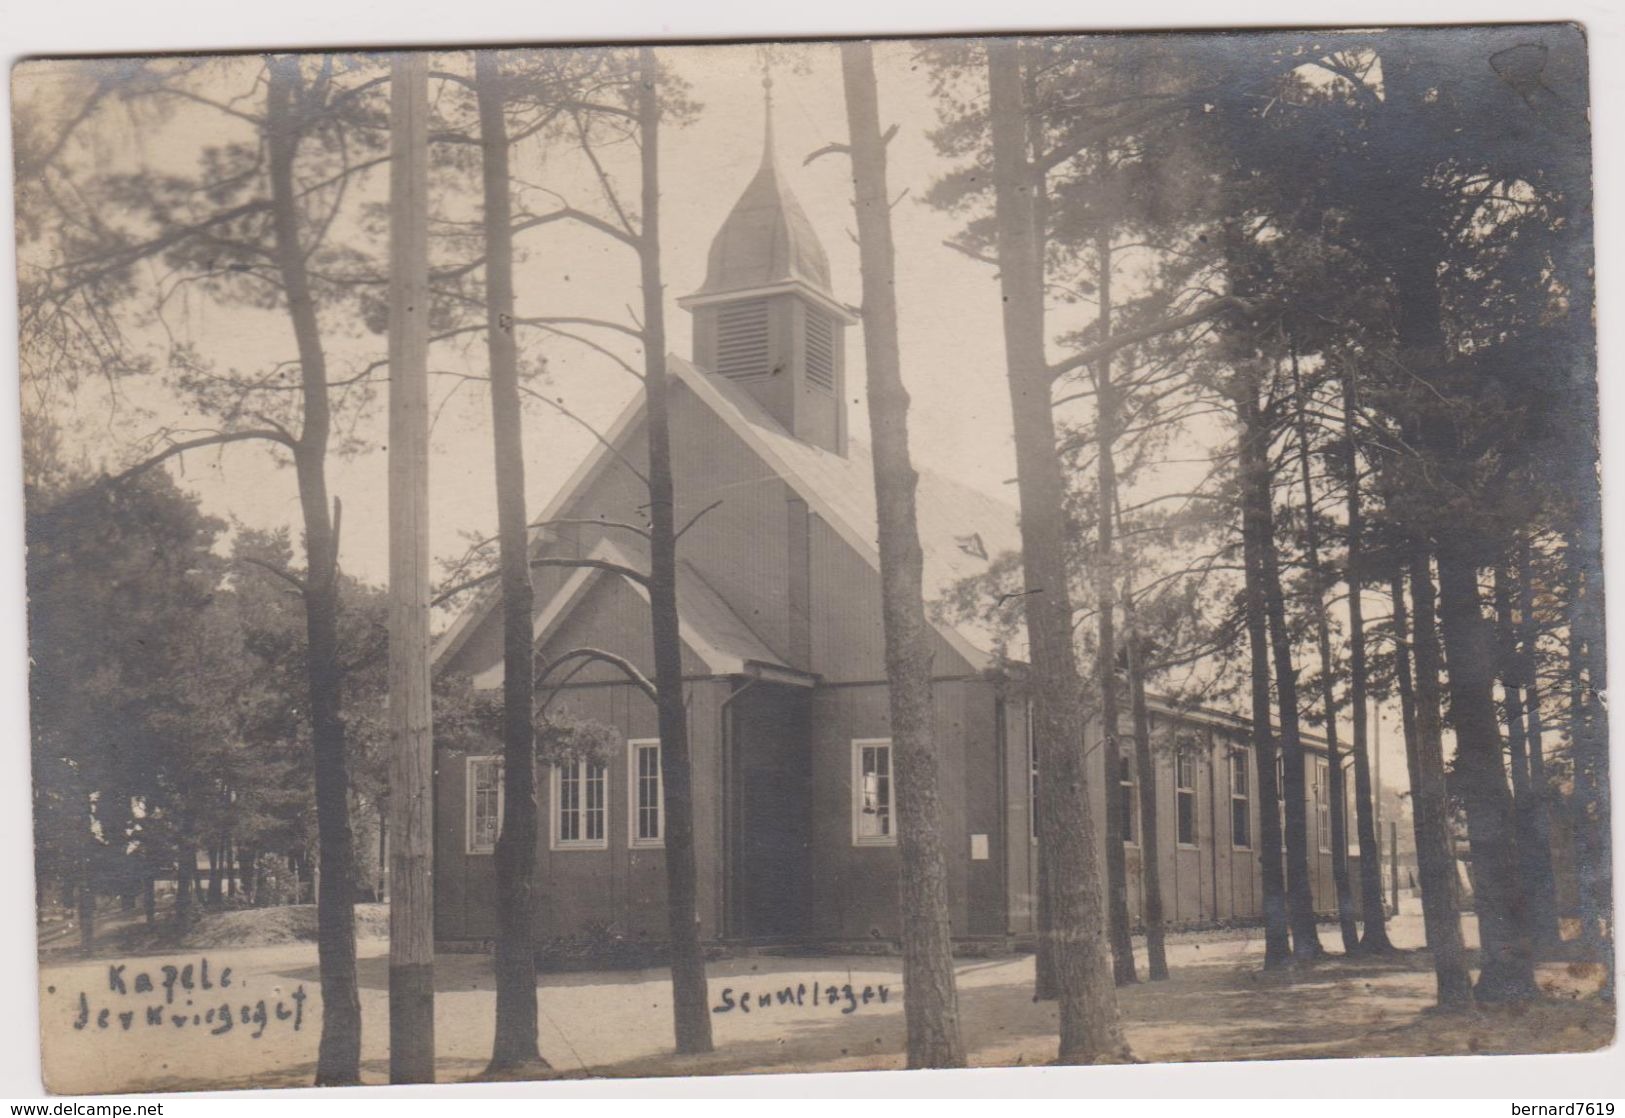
1220, 1010
1338, 1007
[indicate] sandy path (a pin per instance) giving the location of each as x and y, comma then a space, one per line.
1217, 1006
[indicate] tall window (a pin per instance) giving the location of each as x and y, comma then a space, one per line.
1323, 807
580, 806
645, 793
484, 804
1241, 830
1185, 796
873, 822
1126, 790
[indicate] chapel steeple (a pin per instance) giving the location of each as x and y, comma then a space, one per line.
765, 317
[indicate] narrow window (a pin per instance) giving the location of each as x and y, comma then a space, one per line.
1323, 808
1185, 797
1241, 831
1126, 790
645, 793
873, 823
484, 804
580, 808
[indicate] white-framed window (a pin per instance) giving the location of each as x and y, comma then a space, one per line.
645, 794
580, 806
1241, 820
1185, 796
484, 812
1128, 792
874, 818
1323, 806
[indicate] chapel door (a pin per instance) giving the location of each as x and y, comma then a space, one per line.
771, 880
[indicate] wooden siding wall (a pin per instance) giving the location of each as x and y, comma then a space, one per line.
1210, 881
614, 617
855, 887
619, 889
848, 641
742, 550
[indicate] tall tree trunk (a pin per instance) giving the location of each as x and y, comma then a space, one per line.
931, 1008
1299, 894
1252, 451
514, 1050
149, 899
1534, 855
1117, 921
1091, 1030
410, 858
1430, 805
1589, 738
183, 885
1045, 985
338, 1060
214, 874
247, 871
1543, 892
691, 1016
1506, 970
1145, 768
1413, 247
1374, 934
1328, 676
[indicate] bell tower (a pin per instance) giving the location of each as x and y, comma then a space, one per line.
765, 317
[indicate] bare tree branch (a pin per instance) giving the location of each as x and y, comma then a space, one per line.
593, 522
289, 577
696, 517
450, 592
627, 668
1091, 354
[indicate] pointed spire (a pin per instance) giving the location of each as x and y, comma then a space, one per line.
767, 238
769, 156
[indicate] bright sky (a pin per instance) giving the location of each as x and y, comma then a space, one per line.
951, 333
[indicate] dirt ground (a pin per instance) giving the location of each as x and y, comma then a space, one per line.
1217, 1005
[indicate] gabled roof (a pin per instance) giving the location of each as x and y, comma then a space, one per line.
960, 528
708, 627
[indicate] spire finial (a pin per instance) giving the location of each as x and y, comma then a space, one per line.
767, 106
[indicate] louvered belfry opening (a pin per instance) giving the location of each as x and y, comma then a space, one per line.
785, 350
744, 342
820, 354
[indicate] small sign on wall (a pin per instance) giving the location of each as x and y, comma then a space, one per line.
978, 848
